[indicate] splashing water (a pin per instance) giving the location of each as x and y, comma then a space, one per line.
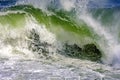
111, 48
14, 42
108, 43
35, 35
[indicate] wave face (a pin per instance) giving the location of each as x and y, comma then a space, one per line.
42, 27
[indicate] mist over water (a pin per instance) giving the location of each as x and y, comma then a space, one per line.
109, 42
110, 46
40, 30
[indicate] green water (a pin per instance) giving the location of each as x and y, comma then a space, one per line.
13, 20
67, 28
58, 23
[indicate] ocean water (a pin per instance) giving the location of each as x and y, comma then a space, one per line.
33, 34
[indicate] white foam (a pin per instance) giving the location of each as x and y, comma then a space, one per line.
110, 46
11, 12
45, 35
68, 4
14, 40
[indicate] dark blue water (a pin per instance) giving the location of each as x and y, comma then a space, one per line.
91, 3
7, 3
103, 3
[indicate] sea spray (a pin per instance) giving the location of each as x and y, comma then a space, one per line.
108, 43
25, 37
40, 40
81, 7
15, 41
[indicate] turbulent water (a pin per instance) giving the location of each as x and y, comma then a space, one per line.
33, 34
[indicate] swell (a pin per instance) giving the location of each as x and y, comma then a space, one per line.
32, 22
55, 21
66, 26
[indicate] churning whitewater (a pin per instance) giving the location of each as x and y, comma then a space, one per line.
59, 40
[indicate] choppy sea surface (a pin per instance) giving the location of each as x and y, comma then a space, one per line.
32, 33
71, 69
